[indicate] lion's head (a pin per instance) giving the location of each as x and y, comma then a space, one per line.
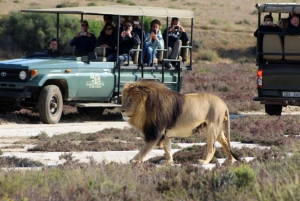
151, 107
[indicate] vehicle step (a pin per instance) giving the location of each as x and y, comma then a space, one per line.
107, 105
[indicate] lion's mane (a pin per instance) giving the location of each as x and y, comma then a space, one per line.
162, 107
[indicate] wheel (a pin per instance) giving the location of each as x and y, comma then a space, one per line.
91, 111
50, 104
273, 110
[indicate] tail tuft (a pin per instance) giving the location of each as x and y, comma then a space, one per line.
235, 156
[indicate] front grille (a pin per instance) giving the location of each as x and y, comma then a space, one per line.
12, 75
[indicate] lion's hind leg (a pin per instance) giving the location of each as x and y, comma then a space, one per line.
224, 142
211, 134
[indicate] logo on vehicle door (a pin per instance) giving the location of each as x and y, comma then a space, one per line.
95, 81
3, 74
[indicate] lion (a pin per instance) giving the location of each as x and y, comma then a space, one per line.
161, 114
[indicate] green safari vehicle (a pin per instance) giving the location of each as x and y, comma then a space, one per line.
45, 84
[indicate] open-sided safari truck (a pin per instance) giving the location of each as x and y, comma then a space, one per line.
278, 61
90, 83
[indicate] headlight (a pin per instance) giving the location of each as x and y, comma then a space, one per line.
22, 75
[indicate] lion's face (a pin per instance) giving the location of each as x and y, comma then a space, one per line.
131, 103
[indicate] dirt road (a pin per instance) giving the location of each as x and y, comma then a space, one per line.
26, 130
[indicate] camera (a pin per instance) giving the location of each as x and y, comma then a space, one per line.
268, 22
176, 27
127, 27
154, 31
83, 33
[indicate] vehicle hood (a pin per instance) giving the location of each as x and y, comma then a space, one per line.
33, 62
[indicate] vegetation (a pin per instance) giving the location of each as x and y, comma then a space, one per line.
224, 64
32, 32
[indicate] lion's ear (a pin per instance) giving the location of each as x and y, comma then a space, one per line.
129, 85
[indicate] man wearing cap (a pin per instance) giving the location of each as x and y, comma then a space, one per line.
176, 36
84, 41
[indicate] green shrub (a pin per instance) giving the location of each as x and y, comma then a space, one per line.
31, 31
214, 21
209, 55
91, 4
67, 4
245, 176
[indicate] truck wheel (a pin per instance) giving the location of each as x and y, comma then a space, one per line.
50, 104
91, 111
273, 110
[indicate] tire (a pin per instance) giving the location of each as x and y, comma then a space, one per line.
273, 110
50, 104
91, 111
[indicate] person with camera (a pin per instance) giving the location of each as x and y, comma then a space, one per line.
128, 40
137, 27
53, 50
153, 41
106, 39
176, 36
267, 26
84, 41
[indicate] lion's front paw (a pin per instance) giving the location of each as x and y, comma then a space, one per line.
165, 162
203, 162
133, 161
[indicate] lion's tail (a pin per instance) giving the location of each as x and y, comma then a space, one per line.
227, 134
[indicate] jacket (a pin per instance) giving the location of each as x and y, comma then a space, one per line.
84, 43
173, 36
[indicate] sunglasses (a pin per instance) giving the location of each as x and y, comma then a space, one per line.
84, 25
108, 29
125, 25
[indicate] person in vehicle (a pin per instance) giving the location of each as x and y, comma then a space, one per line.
84, 41
107, 19
107, 39
137, 27
283, 23
268, 26
128, 40
293, 27
176, 36
53, 50
153, 41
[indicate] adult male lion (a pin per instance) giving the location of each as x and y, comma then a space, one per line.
161, 114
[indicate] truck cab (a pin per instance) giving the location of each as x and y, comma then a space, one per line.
45, 84
278, 59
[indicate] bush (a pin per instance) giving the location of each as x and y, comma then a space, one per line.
67, 4
31, 31
245, 176
209, 55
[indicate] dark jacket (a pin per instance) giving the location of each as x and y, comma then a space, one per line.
267, 29
292, 30
173, 36
84, 44
126, 43
139, 32
50, 53
108, 40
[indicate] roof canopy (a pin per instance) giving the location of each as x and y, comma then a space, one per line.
119, 10
279, 8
